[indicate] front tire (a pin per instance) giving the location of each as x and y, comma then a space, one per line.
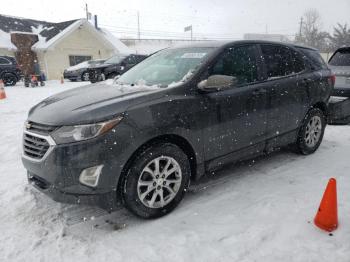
9, 79
85, 76
311, 132
156, 181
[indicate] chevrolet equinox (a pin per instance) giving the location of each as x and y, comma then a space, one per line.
178, 114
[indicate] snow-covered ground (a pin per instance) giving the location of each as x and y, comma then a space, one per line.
260, 210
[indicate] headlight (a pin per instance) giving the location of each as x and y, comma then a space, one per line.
69, 134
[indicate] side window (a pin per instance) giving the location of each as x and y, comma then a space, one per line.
4, 61
278, 60
239, 62
298, 62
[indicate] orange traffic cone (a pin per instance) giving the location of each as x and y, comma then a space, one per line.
327, 214
2, 90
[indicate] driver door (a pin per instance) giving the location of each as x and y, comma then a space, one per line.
236, 116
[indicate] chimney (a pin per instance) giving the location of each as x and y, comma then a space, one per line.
96, 23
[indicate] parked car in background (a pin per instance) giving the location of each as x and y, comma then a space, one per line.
80, 71
340, 65
177, 114
10, 71
114, 66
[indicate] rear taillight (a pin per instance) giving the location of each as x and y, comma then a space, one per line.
332, 78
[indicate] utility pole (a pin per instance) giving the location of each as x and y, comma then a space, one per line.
87, 11
301, 26
138, 25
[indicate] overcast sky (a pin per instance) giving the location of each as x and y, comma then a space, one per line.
210, 18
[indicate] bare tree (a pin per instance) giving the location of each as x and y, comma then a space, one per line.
311, 34
341, 36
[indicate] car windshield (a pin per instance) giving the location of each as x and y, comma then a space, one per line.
96, 62
115, 59
341, 58
166, 67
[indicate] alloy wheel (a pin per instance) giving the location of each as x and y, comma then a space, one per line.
159, 182
86, 76
313, 131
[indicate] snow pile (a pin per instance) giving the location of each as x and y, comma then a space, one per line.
260, 210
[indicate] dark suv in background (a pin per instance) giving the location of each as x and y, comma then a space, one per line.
173, 117
10, 71
114, 66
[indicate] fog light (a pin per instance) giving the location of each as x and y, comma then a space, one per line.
90, 176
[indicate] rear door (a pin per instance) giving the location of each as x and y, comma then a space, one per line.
286, 82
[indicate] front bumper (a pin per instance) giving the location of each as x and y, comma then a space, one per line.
106, 201
57, 172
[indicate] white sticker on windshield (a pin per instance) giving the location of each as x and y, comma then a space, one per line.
193, 55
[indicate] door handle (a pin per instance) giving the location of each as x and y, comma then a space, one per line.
258, 92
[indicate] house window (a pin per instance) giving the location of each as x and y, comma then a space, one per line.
77, 59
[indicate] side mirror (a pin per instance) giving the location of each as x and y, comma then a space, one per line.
217, 83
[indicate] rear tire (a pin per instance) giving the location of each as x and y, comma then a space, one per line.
156, 181
311, 132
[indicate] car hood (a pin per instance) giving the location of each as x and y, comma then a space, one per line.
90, 104
100, 66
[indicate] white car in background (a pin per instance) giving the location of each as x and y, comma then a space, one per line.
80, 71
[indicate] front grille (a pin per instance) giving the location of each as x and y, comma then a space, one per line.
40, 128
35, 147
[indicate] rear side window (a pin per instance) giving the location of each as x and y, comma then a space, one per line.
341, 58
314, 57
4, 61
280, 61
239, 62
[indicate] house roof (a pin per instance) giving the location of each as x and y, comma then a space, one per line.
50, 33
45, 29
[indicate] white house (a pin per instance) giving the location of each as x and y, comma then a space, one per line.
55, 46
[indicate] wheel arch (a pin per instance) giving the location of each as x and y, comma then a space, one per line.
177, 140
322, 106
4, 73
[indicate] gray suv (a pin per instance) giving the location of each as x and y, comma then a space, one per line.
340, 65
173, 117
